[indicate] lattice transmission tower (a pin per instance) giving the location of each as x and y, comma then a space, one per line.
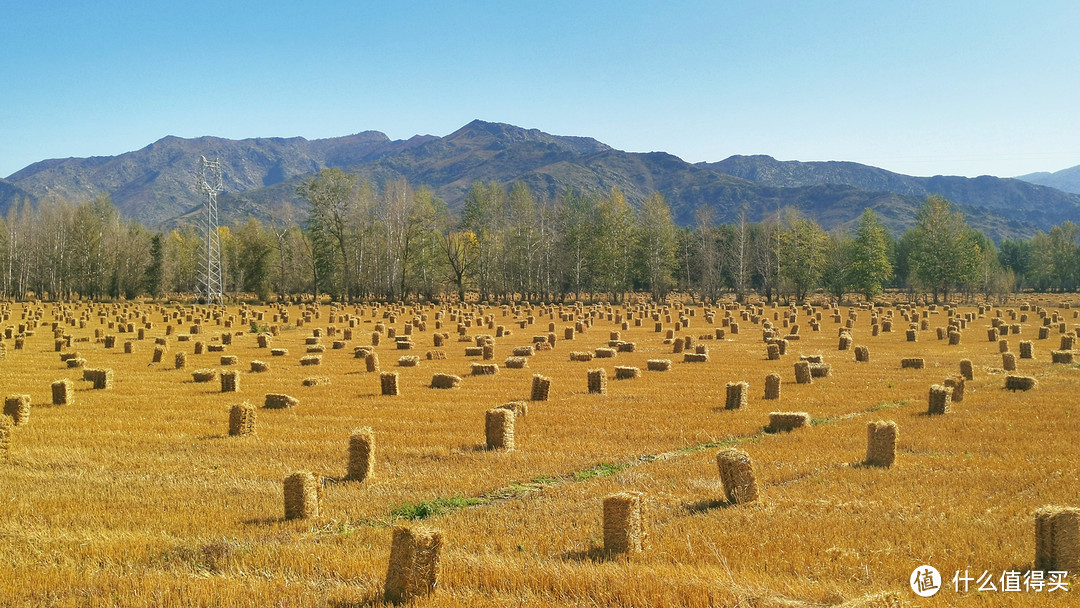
209, 181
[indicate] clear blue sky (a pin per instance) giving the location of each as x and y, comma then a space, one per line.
924, 87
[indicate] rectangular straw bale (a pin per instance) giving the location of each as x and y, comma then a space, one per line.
371, 362
802, 373
581, 356
485, 369
1026, 349
695, 357
315, 381
540, 388
1008, 362
787, 421
63, 392
523, 351
278, 401
605, 353
17, 407
912, 363
361, 454
862, 354
597, 381
1057, 538
520, 408
389, 383
499, 429
966, 369
1020, 383
940, 399
881, 443
204, 375
1061, 356
658, 365
101, 378
414, 564
303, 495
626, 372
6, 425
737, 475
956, 383
242, 420
625, 527
445, 381
180, 360
736, 395
772, 386
408, 361
820, 370
279, 352
259, 366
230, 381
516, 362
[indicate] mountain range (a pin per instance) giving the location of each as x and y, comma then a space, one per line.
156, 184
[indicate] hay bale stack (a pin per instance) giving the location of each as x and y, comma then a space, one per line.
230, 381
101, 378
845, 341
940, 399
881, 443
361, 454
204, 375
499, 429
912, 335
862, 354
445, 381
516, 362
315, 381
1008, 362
259, 366
1061, 356
435, 355
180, 360
736, 395
484, 369
1057, 538
242, 420
229, 360
1026, 349
695, 357
371, 362
957, 383
992, 334
414, 564
309, 360
568, 333
388, 381
540, 387
802, 373
658, 365
772, 386
605, 353
523, 351
597, 381
159, 353
129, 347
303, 495
1068, 342
263, 340
280, 401
1003, 346
773, 352
737, 475
1020, 383
820, 370
279, 352
626, 347
17, 407
408, 361
626, 372
520, 408
474, 351
624, 522
954, 338
581, 356
63, 392
912, 363
966, 369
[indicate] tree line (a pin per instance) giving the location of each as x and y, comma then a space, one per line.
393, 241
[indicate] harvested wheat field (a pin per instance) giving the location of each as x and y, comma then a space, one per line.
141, 492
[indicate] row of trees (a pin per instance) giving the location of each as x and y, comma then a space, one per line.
395, 241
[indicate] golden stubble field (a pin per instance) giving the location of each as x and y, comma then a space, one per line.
135, 495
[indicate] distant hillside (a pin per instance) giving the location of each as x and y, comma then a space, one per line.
1067, 180
9, 193
156, 184
1013, 199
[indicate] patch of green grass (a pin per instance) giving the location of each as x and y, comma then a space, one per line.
604, 469
433, 507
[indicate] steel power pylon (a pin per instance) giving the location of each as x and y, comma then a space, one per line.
209, 181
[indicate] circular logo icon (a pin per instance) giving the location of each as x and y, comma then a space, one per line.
925, 581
